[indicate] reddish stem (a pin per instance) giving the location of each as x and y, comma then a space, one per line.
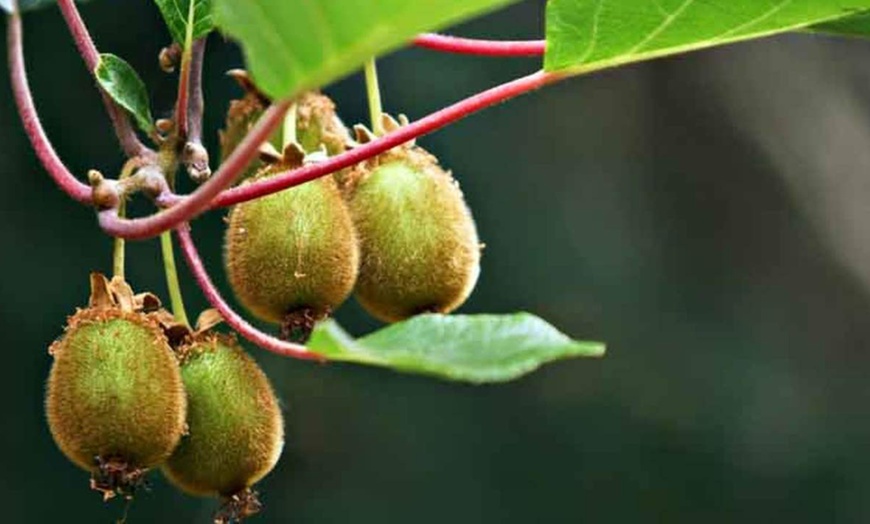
472, 46
232, 318
418, 128
30, 118
85, 44
198, 201
197, 103
183, 96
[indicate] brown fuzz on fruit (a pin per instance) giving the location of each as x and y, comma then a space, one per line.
294, 252
419, 246
236, 431
115, 401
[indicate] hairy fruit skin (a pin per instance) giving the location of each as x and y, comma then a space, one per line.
114, 391
293, 250
318, 125
236, 432
419, 246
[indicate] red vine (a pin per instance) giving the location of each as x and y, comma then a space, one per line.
473, 46
30, 118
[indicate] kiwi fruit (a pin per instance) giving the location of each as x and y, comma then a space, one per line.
235, 428
115, 401
419, 249
292, 257
317, 124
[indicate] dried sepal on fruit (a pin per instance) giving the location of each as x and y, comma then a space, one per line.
292, 257
419, 246
115, 401
236, 430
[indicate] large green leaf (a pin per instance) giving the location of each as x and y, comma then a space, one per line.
175, 14
296, 45
470, 348
122, 83
586, 35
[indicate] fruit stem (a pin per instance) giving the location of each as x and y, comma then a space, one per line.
288, 133
373, 90
172, 283
118, 252
473, 46
233, 319
85, 45
119, 249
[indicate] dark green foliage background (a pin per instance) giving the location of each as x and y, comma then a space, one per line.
635, 206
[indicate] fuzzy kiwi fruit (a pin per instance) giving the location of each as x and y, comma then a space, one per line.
317, 124
115, 401
292, 257
236, 431
419, 246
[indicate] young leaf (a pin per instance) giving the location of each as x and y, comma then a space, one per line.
175, 14
586, 35
122, 83
291, 46
469, 348
29, 5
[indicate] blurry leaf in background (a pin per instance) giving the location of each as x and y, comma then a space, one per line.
175, 14
122, 83
586, 35
292, 46
470, 348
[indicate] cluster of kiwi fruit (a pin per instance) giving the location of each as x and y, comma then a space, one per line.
129, 391
394, 230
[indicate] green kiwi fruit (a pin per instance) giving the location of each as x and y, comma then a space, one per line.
115, 401
317, 124
418, 242
292, 257
235, 428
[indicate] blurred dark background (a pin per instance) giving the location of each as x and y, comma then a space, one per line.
705, 215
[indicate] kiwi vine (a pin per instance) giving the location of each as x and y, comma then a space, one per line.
135, 386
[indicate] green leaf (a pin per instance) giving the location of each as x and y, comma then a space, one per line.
122, 83
291, 46
856, 25
587, 35
469, 348
175, 14
29, 5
